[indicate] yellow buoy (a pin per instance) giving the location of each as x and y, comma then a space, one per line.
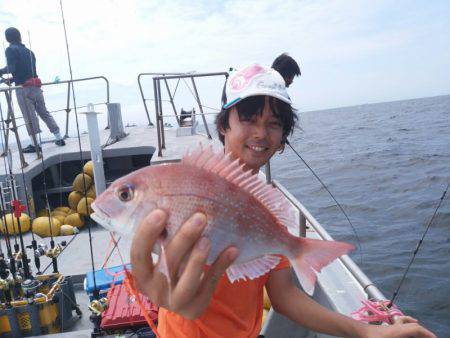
74, 198
91, 192
78, 182
42, 212
63, 209
89, 168
41, 226
75, 220
67, 229
59, 215
58, 212
81, 208
13, 225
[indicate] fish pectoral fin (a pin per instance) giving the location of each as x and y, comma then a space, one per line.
252, 269
164, 269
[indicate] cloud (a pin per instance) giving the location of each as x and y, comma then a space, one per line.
350, 52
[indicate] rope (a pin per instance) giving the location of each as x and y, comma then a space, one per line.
332, 196
373, 311
418, 246
129, 283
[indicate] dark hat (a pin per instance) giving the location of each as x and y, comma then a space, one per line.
12, 35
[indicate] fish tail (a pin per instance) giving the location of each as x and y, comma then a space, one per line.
311, 255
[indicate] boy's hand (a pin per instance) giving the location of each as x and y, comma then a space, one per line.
191, 287
404, 327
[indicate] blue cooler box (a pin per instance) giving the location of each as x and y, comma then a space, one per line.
103, 280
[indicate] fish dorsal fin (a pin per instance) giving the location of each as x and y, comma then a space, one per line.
224, 166
252, 269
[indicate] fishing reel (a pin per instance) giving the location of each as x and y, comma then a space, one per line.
44, 250
17, 278
4, 284
30, 287
41, 250
7, 283
97, 306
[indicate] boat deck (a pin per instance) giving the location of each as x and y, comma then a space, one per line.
140, 139
337, 287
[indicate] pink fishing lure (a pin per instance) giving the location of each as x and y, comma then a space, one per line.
241, 210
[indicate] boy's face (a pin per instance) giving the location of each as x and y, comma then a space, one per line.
253, 141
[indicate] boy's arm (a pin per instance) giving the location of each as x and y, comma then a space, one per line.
293, 303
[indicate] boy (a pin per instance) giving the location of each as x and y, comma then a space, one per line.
254, 123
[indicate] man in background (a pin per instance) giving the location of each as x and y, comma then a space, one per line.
287, 67
21, 63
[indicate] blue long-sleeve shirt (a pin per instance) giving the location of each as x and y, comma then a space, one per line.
21, 63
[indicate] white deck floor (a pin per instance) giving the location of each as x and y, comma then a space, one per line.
138, 136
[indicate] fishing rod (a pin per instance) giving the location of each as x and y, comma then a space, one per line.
6, 230
11, 258
419, 244
16, 210
7, 276
4, 282
95, 291
9, 261
15, 205
33, 245
8, 95
332, 196
47, 203
18, 262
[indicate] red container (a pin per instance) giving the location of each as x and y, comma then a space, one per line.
124, 312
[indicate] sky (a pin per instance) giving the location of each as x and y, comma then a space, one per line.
349, 52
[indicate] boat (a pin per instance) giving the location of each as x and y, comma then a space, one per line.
38, 179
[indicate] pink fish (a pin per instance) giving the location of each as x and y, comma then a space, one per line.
241, 210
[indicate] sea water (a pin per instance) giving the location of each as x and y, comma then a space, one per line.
388, 165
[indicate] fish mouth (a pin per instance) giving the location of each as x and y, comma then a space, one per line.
101, 217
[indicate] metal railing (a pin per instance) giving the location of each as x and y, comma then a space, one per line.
304, 215
144, 99
157, 78
372, 291
68, 108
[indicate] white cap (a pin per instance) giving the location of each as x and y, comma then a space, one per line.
252, 81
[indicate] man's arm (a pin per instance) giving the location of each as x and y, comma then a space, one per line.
293, 303
10, 62
3, 71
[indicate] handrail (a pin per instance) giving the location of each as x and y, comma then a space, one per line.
11, 116
66, 81
372, 291
142, 91
157, 77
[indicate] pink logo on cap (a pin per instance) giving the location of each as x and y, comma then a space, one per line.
243, 78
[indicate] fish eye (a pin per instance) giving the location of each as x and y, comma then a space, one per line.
125, 193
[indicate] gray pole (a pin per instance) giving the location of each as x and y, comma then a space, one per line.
96, 149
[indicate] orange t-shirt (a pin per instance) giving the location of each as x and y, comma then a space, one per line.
235, 311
